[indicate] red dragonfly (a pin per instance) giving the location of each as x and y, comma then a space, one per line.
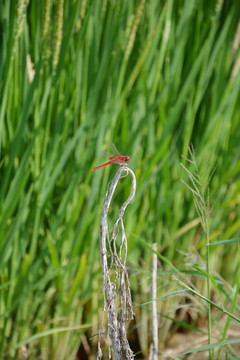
116, 159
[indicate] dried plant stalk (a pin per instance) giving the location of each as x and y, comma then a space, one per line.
120, 284
154, 306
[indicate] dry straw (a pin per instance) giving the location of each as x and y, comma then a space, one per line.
117, 290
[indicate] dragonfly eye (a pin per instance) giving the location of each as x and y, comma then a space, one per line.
127, 158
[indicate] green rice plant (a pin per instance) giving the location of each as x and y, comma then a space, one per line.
185, 286
200, 193
150, 76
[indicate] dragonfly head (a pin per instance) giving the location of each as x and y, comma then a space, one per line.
127, 158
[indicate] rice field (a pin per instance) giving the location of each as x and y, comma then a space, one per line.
161, 80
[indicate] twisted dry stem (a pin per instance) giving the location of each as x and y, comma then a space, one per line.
120, 284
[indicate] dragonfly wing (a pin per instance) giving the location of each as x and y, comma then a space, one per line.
113, 148
106, 154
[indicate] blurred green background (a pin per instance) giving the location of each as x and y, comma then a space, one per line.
151, 76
